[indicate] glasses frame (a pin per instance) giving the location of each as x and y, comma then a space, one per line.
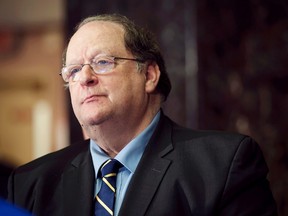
113, 58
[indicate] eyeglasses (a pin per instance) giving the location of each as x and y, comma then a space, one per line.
100, 65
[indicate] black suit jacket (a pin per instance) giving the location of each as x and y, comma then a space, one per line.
182, 172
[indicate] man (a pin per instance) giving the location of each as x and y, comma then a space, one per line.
117, 82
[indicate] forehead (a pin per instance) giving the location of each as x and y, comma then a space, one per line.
96, 36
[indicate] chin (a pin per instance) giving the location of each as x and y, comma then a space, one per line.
93, 121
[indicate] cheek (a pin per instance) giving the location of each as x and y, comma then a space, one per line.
114, 86
73, 97
128, 91
121, 86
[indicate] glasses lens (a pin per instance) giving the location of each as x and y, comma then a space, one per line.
102, 64
69, 73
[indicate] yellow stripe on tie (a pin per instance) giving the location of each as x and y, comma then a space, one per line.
110, 175
104, 206
108, 161
108, 184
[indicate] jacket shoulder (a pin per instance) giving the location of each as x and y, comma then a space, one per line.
58, 159
182, 134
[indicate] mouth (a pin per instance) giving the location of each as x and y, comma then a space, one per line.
91, 98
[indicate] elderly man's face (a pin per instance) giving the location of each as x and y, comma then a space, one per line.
118, 95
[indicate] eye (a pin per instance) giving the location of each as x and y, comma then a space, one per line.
72, 70
103, 62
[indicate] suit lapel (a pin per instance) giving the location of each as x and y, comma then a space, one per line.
149, 173
78, 186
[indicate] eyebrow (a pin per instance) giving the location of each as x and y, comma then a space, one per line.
91, 55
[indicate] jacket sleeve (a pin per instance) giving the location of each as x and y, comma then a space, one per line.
10, 197
247, 191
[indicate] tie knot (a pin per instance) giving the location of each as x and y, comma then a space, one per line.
110, 168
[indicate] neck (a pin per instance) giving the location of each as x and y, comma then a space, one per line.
113, 135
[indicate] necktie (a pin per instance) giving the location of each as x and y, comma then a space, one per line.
104, 204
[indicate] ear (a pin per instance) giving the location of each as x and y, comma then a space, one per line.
152, 77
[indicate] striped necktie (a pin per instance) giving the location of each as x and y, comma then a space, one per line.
104, 204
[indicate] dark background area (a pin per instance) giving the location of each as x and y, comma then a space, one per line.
227, 60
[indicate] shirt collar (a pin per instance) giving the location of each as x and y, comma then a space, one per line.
131, 154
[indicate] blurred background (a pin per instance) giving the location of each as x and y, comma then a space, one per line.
227, 60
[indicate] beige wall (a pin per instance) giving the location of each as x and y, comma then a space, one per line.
33, 118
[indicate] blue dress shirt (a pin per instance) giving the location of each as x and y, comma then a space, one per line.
129, 157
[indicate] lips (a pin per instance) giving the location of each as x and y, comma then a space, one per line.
91, 98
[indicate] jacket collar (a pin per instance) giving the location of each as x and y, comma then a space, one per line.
150, 171
78, 184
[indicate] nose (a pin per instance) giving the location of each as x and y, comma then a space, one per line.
87, 76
